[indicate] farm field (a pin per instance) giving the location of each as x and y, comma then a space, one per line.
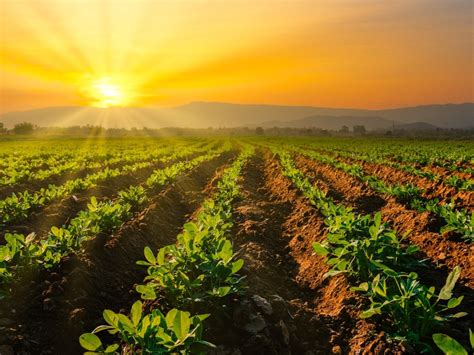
250, 245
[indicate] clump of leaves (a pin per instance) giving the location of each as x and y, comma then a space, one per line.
362, 246
415, 310
177, 332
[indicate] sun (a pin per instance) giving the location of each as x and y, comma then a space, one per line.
106, 91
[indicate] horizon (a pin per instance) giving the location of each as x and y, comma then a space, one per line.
238, 104
328, 54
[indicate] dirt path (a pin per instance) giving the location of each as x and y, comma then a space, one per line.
70, 301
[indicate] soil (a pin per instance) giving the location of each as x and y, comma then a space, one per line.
273, 231
441, 250
69, 301
288, 306
35, 185
61, 212
433, 190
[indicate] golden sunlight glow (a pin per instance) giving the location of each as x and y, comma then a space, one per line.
105, 92
361, 54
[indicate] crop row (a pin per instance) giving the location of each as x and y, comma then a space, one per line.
455, 220
43, 168
450, 155
363, 247
18, 206
22, 252
195, 273
22, 166
377, 158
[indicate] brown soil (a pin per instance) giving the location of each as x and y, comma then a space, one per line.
70, 300
445, 173
274, 229
440, 250
61, 212
288, 306
433, 190
58, 179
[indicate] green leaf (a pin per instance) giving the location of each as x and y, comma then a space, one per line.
181, 325
90, 341
136, 313
454, 302
471, 338
319, 249
237, 265
223, 291
110, 317
161, 256
149, 256
369, 313
459, 315
170, 317
111, 348
446, 291
363, 287
147, 292
448, 345
386, 270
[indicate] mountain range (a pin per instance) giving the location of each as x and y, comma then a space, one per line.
214, 114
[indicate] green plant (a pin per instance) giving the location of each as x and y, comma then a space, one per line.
450, 346
363, 246
177, 332
414, 309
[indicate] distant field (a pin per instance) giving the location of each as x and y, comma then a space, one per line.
289, 245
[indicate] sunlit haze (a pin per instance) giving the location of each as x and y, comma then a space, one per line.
360, 53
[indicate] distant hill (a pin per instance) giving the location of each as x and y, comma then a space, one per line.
206, 114
444, 116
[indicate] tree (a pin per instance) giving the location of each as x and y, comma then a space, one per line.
344, 129
23, 128
259, 131
359, 129
2, 128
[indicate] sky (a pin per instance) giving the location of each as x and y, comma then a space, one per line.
328, 53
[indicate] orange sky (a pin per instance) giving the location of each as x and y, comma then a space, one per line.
337, 53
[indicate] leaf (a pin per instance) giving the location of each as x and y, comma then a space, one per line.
319, 249
136, 313
223, 291
237, 265
110, 317
149, 256
386, 270
369, 313
446, 291
161, 256
454, 302
411, 249
471, 338
448, 345
170, 317
148, 293
111, 348
363, 287
459, 315
90, 341
181, 325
